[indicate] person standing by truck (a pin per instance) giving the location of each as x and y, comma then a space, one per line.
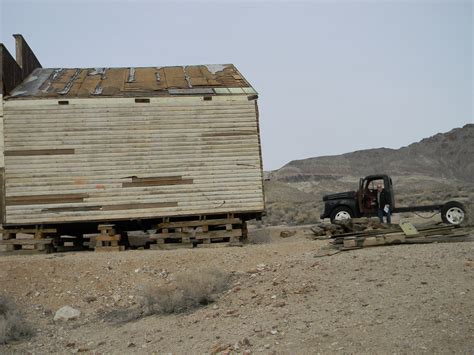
383, 204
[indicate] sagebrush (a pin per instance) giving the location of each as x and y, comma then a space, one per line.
12, 324
189, 290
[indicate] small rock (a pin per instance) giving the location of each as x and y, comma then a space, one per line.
116, 298
267, 346
217, 348
66, 313
273, 332
130, 345
287, 234
90, 299
245, 342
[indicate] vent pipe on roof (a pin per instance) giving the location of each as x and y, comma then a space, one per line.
12, 72
25, 57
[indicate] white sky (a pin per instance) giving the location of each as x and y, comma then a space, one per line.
333, 76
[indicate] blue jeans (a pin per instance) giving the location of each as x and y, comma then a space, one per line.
381, 213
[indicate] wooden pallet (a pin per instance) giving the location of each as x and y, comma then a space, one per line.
39, 245
27, 239
200, 232
37, 232
107, 240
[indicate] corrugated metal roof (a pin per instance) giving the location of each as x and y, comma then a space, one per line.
132, 82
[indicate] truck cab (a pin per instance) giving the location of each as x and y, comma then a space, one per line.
367, 193
360, 203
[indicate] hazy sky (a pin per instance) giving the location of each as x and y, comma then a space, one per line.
333, 76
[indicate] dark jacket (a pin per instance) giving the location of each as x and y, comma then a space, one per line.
384, 199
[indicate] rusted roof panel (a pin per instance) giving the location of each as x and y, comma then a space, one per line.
130, 82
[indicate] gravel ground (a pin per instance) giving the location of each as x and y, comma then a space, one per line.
282, 299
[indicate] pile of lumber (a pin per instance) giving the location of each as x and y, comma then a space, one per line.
330, 230
406, 233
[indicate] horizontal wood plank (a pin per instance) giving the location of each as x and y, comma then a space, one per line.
162, 182
138, 206
166, 158
44, 199
24, 153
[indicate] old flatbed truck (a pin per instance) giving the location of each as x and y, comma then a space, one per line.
362, 203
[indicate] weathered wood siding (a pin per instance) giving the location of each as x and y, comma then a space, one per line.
114, 158
2, 165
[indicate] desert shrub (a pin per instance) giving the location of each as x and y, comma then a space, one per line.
12, 324
189, 290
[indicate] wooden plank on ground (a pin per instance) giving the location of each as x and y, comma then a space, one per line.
408, 228
171, 246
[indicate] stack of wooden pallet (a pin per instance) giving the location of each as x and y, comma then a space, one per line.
407, 234
199, 233
27, 240
108, 239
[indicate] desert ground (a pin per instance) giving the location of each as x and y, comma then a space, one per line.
274, 295
280, 296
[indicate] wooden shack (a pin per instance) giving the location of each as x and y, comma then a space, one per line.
129, 146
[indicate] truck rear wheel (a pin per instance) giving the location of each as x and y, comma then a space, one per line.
341, 213
453, 212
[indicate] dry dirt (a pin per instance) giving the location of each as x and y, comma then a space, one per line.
282, 299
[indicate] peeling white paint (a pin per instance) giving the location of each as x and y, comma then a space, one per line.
186, 76
214, 68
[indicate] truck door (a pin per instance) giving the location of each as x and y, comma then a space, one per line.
368, 193
388, 185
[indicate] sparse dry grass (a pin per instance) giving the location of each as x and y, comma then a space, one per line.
12, 324
293, 213
189, 290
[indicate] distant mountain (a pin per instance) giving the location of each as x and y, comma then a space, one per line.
445, 155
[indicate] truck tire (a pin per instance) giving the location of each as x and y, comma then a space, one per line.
340, 213
453, 212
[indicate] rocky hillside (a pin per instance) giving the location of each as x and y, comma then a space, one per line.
445, 155
434, 170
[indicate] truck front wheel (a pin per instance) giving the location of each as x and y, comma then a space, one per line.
453, 212
341, 213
